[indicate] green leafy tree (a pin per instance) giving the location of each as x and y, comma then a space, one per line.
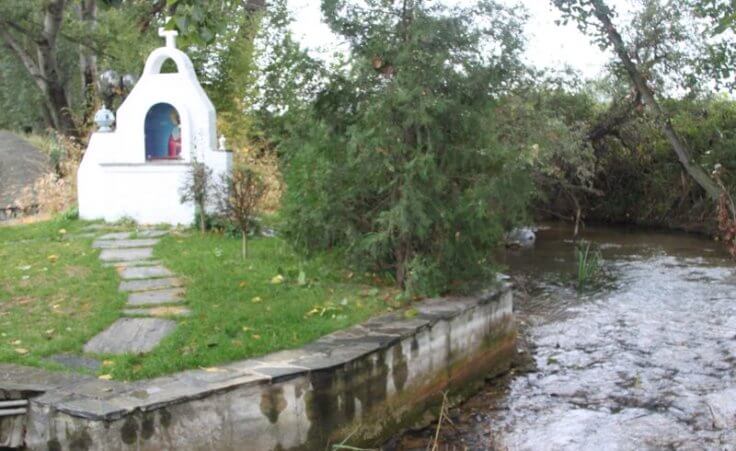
30, 30
399, 160
657, 35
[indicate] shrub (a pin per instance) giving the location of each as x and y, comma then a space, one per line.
399, 161
238, 195
197, 188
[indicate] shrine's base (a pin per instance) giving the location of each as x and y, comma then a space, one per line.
147, 192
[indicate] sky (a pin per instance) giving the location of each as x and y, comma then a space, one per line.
548, 45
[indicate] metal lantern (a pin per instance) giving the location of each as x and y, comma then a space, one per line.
111, 85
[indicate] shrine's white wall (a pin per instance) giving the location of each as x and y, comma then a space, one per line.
116, 181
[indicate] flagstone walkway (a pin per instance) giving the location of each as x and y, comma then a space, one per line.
155, 294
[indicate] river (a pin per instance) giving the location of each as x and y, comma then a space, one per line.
645, 359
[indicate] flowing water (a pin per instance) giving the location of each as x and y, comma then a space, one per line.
645, 359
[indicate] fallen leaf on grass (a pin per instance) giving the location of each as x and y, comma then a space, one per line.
256, 337
243, 284
16, 342
21, 351
52, 258
256, 300
277, 279
369, 292
62, 231
107, 363
105, 377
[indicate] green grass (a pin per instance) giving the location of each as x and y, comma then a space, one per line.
237, 310
588, 264
54, 293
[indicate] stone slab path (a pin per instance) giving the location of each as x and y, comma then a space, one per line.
153, 294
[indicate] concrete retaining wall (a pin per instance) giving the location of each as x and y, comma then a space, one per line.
367, 382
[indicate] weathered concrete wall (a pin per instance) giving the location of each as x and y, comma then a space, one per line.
368, 382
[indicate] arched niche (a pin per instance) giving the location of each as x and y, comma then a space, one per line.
163, 132
159, 56
168, 66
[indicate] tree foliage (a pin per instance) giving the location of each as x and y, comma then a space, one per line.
399, 159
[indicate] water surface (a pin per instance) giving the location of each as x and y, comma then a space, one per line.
646, 359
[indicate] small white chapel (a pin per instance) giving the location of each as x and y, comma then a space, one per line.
137, 170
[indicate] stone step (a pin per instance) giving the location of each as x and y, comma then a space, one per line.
150, 284
116, 236
156, 297
96, 227
124, 255
130, 235
132, 264
159, 312
75, 362
121, 244
130, 335
151, 233
144, 272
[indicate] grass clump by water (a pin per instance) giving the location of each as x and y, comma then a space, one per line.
589, 262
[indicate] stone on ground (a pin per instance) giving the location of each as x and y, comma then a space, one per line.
158, 312
75, 362
151, 233
144, 272
96, 227
120, 255
130, 335
116, 236
156, 297
150, 284
119, 244
132, 263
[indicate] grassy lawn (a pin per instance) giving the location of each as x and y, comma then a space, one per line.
55, 295
242, 309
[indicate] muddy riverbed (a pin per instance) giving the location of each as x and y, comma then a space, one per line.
644, 359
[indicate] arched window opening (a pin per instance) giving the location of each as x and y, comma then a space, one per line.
169, 67
163, 133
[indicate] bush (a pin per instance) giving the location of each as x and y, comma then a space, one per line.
399, 161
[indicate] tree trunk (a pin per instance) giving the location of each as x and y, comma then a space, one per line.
202, 225
618, 114
87, 11
602, 13
44, 68
244, 249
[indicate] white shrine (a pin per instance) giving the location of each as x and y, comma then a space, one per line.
166, 122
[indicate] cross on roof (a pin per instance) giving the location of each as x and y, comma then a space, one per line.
170, 35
